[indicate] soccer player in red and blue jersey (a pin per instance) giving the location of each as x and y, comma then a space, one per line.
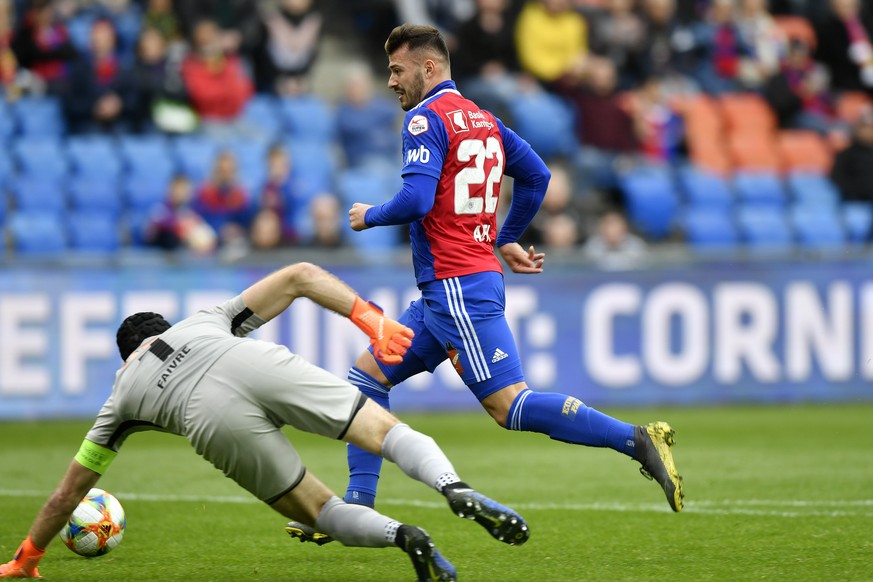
455, 155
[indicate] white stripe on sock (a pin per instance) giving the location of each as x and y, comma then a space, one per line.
361, 379
515, 421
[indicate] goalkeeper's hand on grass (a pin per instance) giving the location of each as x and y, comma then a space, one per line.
24, 565
390, 339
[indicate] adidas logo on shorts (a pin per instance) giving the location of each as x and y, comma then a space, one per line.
498, 355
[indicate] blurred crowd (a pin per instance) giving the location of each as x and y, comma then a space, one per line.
597, 86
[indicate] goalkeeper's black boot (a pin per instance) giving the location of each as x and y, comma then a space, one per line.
307, 533
429, 564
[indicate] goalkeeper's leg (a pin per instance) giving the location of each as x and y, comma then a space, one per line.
311, 502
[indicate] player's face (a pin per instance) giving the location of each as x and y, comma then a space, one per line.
407, 78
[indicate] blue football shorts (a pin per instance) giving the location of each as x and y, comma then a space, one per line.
461, 319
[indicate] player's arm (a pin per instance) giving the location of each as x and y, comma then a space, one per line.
425, 143
531, 179
414, 200
82, 474
274, 294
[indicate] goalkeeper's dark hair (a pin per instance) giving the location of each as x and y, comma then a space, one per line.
137, 327
417, 37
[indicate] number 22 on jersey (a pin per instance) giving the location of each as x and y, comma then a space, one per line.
469, 195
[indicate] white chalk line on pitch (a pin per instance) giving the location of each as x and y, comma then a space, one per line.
750, 507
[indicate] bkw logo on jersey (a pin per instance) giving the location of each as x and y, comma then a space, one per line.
422, 154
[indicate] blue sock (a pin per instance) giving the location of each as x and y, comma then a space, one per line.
568, 419
364, 467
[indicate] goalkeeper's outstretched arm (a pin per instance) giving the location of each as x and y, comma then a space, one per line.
274, 294
77, 481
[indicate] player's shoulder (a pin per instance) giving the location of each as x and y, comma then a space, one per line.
419, 120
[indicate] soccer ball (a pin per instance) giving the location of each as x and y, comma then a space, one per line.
96, 526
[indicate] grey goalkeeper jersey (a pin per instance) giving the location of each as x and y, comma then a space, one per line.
151, 390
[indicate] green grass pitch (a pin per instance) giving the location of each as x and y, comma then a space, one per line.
772, 493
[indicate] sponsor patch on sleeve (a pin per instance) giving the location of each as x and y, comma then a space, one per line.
418, 124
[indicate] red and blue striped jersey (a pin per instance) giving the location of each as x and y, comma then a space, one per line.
450, 139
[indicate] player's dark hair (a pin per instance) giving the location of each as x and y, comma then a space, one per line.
137, 327
416, 37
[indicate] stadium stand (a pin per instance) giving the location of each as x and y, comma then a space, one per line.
740, 168
308, 118
704, 189
710, 229
92, 231
38, 193
858, 220
263, 114
817, 227
546, 122
801, 150
368, 185
195, 155
760, 189
40, 156
813, 190
651, 199
39, 117
147, 157
7, 123
764, 229
37, 233
95, 193
94, 156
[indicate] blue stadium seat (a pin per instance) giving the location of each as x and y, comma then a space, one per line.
817, 227
134, 223
93, 232
705, 189
308, 118
40, 157
761, 188
147, 156
764, 228
546, 122
251, 160
37, 233
651, 200
94, 156
6, 169
369, 185
858, 220
144, 192
39, 117
195, 156
7, 122
811, 189
264, 114
38, 194
710, 228
313, 166
366, 185
95, 194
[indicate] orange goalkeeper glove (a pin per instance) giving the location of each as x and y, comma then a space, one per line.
23, 565
389, 339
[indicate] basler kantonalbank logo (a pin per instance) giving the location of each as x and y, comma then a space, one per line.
458, 121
